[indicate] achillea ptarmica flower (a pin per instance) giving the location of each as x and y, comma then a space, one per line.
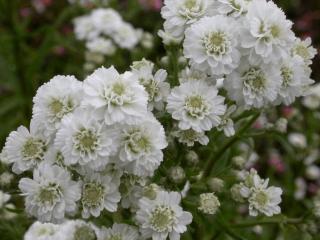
117, 98
42, 231
179, 14
25, 149
191, 74
162, 217
55, 99
84, 140
101, 45
189, 137
209, 203
84, 28
265, 200
226, 124
105, 20
141, 145
212, 45
196, 105
304, 50
99, 192
268, 34
234, 8
51, 193
295, 80
119, 232
253, 85
155, 84
126, 36
78, 230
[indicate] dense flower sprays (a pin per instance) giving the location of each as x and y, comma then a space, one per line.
119, 143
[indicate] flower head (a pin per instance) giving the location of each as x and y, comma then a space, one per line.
162, 217
196, 105
117, 98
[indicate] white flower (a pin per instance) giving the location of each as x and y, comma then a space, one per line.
119, 232
84, 140
77, 230
162, 217
294, 80
191, 74
131, 191
179, 14
227, 123
233, 8
265, 200
4, 198
25, 149
55, 99
300, 188
101, 45
304, 50
155, 85
312, 100
84, 28
142, 65
119, 98
190, 136
42, 231
267, 33
298, 140
51, 193
209, 203
99, 192
196, 105
212, 45
168, 39
106, 20
126, 36
141, 145
253, 85
6, 178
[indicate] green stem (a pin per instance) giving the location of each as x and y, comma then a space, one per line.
174, 65
216, 156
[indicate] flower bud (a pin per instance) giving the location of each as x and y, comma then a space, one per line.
281, 125
238, 161
215, 184
192, 158
236, 193
177, 174
209, 203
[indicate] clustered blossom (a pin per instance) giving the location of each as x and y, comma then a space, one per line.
103, 31
98, 147
255, 191
249, 43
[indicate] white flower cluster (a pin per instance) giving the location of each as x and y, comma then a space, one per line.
104, 30
249, 43
88, 138
261, 198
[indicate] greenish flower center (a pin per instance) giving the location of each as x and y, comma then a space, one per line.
33, 149
261, 197
216, 43
254, 80
114, 237
93, 194
287, 75
84, 232
59, 108
196, 106
49, 194
151, 87
275, 31
302, 51
162, 218
86, 141
137, 142
119, 89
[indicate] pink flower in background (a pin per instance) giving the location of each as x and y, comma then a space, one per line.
41, 5
313, 188
287, 111
59, 50
276, 162
151, 4
25, 12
